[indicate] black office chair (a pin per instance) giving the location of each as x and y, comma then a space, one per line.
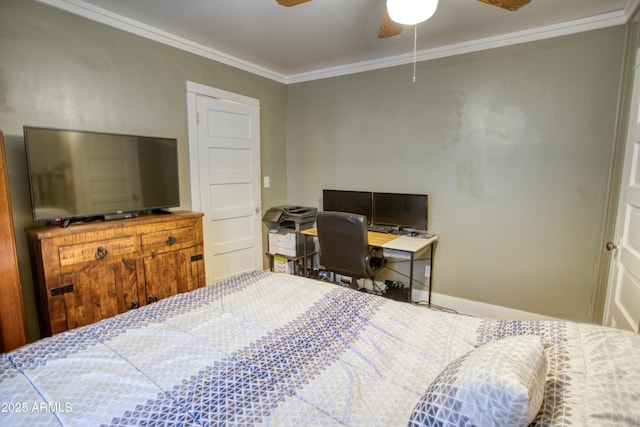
344, 246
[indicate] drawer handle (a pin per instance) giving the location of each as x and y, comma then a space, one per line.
151, 299
135, 304
101, 252
171, 240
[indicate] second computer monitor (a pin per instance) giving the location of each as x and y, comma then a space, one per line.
401, 210
357, 202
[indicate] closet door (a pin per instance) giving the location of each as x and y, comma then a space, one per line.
13, 331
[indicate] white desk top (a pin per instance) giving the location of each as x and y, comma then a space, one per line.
390, 241
409, 244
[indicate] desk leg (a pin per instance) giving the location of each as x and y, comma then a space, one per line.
411, 279
430, 275
304, 259
433, 251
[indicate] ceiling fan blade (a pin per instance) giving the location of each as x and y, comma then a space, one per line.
289, 3
507, 4
388, 28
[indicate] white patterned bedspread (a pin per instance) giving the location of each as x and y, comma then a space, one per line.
268, 348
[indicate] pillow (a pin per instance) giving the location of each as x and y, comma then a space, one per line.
500, 383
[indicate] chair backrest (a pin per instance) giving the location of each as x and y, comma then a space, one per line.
343, 243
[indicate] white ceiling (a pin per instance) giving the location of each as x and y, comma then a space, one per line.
321, 38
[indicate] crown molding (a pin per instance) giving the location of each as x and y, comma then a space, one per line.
565, 28
103, 16
120, 22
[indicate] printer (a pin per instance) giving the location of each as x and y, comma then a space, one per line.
297, 218
284, 224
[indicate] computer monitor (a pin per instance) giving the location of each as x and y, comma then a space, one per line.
401, 210
357, 202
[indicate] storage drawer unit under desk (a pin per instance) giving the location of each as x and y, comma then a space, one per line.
286, 242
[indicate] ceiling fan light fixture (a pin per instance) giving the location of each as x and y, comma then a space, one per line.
511, 5
411, 12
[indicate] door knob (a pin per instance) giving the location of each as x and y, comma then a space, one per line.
611, 246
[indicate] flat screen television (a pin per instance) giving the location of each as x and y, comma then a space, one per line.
82, 175
356, 202
401, 210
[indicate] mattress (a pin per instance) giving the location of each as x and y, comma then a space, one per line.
267, 348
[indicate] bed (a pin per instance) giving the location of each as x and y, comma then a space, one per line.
268, 348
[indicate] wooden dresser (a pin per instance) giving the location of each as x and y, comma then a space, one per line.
13, 329
91, 271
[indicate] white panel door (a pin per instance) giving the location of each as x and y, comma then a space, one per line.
229, 186
622, 308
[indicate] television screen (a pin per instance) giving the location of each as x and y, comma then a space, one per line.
401, 210
79, 174
357, 202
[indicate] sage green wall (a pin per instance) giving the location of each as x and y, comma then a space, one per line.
513, 145
61, 70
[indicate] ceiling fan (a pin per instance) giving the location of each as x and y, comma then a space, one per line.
389, 28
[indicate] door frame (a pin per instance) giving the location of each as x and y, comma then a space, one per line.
193, 91
616, 245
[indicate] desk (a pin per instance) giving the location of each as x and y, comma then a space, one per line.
407, 244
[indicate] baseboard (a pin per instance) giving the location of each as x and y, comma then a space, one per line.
475, 308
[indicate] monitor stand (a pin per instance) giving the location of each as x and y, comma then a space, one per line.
160, 212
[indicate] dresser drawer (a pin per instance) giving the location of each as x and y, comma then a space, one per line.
98, 250
168, 240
